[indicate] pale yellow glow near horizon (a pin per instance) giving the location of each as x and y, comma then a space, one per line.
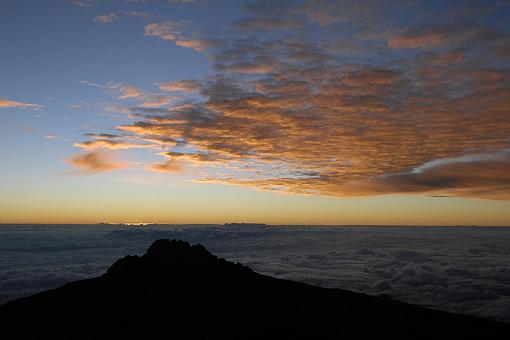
217, 204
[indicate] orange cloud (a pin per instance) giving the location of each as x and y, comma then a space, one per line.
166, 30
199, 45
171, 31
110, 144
4, 103
180, 86
435, 36
168, 166
94, 162
150, 100
339, 134
295, 116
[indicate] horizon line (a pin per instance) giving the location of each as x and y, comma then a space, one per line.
145, 224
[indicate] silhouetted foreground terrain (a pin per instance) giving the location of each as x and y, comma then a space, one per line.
178, 291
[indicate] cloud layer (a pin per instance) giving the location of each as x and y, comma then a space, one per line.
338, 99
462, 270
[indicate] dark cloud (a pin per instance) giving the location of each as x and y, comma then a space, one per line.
451, 35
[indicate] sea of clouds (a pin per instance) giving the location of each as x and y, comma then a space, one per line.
459, 269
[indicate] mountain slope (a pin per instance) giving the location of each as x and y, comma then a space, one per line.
178, 291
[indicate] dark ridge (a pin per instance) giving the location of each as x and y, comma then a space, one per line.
179, 291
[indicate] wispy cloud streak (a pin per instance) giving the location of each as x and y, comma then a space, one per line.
7, 103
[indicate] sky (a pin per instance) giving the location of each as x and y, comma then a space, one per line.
282, 112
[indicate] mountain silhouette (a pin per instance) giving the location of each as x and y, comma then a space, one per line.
179, 291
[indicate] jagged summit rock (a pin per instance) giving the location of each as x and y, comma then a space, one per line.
170, 248
175, 260
169, 253
180, 291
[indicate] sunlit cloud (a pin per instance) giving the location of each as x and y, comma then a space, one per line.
166, 167
95, 161
172, 31
114, 16
107, 18
166, 30
129, 92
436, 36
180, 86
199, 45
155, 101
110, 144
8, 103
299, 116
124, 91
91, 83
479, 175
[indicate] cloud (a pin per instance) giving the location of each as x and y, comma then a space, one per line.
248, 68
325, 126
125, 92
303, 116
140, 14
84, 3
7, 103
114, 16
166, 30
107, 18
103, 135
186, 86
155, 100
110, 144
171, 31
199, 45
95, 162
168, 166
91, 83
477, 175
440, 35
